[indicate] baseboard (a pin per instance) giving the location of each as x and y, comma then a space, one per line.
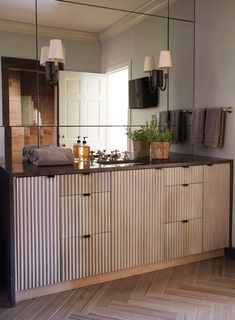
230, 252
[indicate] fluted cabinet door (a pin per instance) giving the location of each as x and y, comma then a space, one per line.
136, 217
37, 252
85, 235
216, 206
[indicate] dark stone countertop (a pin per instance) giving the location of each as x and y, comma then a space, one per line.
24, 169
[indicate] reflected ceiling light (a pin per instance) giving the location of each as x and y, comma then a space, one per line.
158, 77
50, 58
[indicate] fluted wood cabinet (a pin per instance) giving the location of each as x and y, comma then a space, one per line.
37, 246
216, 206
183, 211
85, 225
136, 214
75, 226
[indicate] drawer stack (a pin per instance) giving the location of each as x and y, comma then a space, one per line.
183, 211
85, 225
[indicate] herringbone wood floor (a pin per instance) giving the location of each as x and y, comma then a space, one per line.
198, 291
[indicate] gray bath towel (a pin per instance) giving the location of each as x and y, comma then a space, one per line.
52, 155
163, 120
29, 148
214, 127
198, 127
175, 123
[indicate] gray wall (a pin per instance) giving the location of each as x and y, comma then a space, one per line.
79, 56
215, 67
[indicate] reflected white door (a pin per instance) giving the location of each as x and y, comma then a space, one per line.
82, 102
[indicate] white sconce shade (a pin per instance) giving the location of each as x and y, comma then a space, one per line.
165, 60
149, 63
56, 52
44, 55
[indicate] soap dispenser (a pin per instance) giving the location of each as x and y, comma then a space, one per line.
85, 149
76, 147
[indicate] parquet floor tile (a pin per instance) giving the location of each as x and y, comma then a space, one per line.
197, 291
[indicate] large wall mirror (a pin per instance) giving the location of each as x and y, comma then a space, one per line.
100, 38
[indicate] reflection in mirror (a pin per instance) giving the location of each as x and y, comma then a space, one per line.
102, 43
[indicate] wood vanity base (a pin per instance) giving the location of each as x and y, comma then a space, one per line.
68, 285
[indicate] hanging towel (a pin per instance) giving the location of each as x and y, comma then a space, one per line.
52, 155
163, 120
175, 123
198, 127
214, 128
183, 127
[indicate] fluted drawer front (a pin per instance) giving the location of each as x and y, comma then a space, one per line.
182, 238
181, 175
84, 183
85, 214
85, 256
136, 208
183, 202
37, 252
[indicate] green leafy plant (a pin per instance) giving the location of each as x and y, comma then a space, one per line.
150, 132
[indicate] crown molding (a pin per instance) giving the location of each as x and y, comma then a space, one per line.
131, 19
51, 32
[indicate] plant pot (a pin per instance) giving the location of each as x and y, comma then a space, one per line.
160, 150
141, 149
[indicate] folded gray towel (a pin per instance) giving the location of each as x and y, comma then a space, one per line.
52, 155
28, 149
163, 120
214, 128
198, 127
175, 123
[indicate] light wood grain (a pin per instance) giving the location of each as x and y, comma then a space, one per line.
216, 206
180, 175
180, 293
136, 211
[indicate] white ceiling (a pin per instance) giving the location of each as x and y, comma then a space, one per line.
53, 13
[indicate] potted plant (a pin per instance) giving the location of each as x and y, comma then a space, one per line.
151, 141
140, 145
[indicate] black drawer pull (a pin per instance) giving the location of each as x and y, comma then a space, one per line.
86, 194
185, 167
184, 221
86, 236
210, 164
185, 184
50, 176
86, 173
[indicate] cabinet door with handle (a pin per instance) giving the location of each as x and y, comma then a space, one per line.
216, 206
182, 238
85, 235
136, 217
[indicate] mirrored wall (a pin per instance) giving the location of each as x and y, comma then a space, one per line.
117, 38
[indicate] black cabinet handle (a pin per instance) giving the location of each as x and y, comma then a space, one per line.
50, 176
185, 167
86, 173
184, 221
86, 236
185, 184
86, 194
210, 164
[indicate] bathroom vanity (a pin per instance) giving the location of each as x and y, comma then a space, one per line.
67, 227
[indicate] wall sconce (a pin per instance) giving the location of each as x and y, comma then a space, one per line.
158, 77
50, 58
